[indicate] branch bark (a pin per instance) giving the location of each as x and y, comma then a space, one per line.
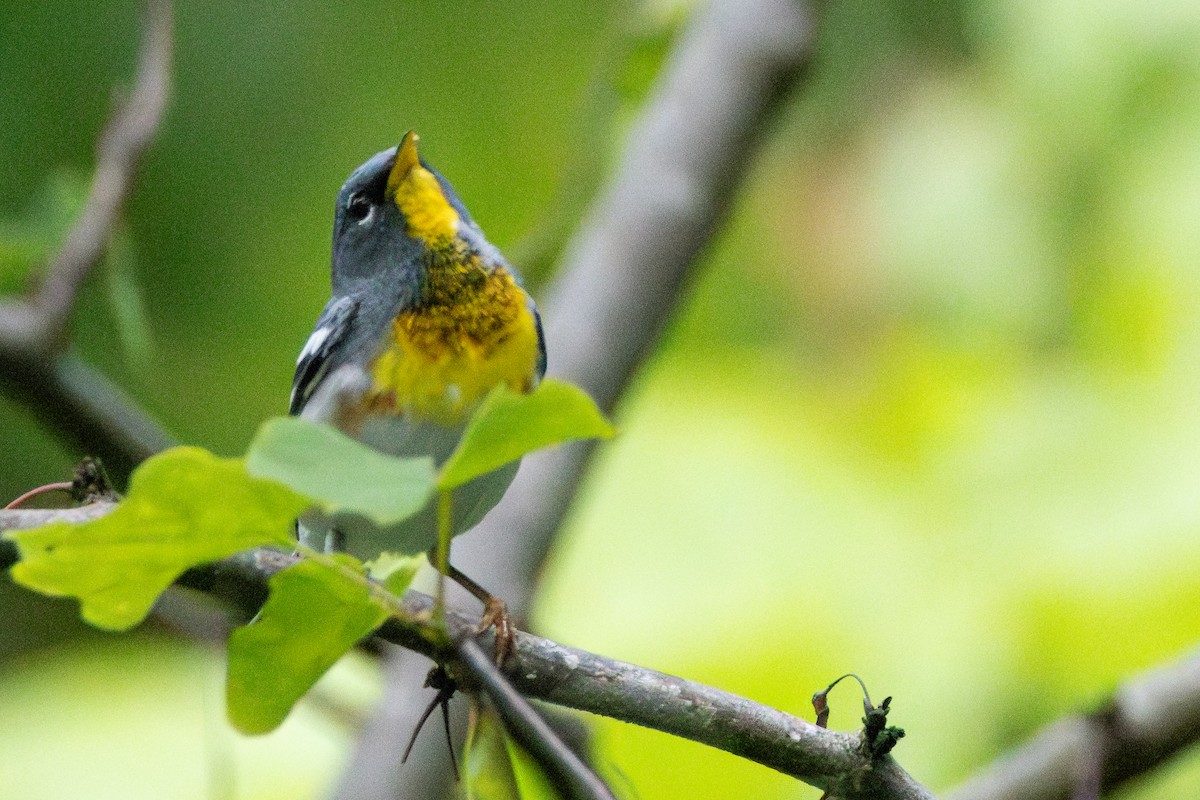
541, 669
626, 270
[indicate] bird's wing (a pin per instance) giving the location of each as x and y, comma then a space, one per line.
321, 352
539, 369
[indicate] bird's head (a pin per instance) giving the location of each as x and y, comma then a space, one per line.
391, 212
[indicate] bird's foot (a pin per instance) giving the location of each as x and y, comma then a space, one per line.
495, 615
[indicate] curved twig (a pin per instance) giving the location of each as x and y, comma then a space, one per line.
36, 326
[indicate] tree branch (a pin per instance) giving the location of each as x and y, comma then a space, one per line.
541, 669
36, 326
625, 269
87, 410
1146, 721
70, 398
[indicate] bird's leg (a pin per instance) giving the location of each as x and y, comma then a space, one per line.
495, 613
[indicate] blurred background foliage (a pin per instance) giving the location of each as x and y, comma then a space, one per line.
929, 413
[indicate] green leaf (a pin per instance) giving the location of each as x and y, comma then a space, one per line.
487, 769
495, 767
313, 616
507, 425
338, 472
395, 571
531, 778
185, 507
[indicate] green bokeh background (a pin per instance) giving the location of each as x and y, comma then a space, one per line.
929, 413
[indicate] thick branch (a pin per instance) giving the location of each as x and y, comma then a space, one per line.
87, 410
1146, 721
544, 670
625, 269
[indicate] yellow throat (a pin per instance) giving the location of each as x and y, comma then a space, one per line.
474, 327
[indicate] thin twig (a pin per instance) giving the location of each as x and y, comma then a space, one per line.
566, 771
60, 486
36, 326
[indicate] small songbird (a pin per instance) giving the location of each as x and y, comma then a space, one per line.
426, 317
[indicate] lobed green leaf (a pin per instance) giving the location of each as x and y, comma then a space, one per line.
312, 617
184, 507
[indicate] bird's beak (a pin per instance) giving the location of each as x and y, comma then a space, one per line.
406, 160
416, 192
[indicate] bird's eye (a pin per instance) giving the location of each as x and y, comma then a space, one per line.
358, 207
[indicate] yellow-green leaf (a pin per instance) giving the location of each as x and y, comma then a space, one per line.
487, 769
313, 616
184, 507
338, 472
532, 780
496, 767
508, 424
395, 571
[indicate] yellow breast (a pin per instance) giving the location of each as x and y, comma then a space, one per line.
473, 330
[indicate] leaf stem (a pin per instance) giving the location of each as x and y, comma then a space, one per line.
445, 522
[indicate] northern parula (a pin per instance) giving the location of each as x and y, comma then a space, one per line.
426, 317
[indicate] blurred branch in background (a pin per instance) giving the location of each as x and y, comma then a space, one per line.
623, 276
541, 669
627, 268
75, 402
1148, 720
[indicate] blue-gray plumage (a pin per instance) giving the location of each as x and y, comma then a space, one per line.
425, 316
